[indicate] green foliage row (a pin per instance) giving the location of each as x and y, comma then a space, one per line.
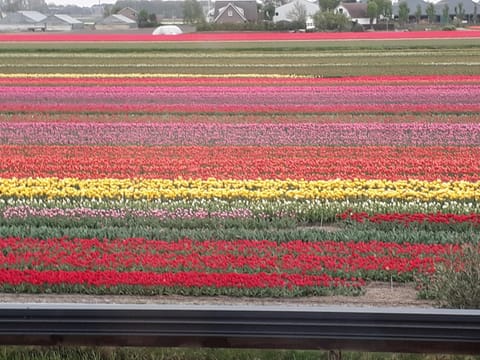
179, 290
279, 235
324, 62
458, 45
242, 224
137, 353
150, 222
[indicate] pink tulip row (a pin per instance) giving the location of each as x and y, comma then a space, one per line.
287, 119
428, 134
452, 94
458, 108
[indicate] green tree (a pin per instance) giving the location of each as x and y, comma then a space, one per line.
460, 12
152, 18
328, 21
430, 10
193, 12
268, 11
142, 18
372, 11
146, 20
328, 5
387, 9
418, 13
403, 13
298, 14
446, 14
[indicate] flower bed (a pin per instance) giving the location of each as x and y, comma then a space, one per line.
140, 183
242, 36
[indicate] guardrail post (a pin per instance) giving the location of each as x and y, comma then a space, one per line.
334, 355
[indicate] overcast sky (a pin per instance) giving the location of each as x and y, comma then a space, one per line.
80, 2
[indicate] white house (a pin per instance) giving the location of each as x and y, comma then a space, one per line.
356, 12
287, 12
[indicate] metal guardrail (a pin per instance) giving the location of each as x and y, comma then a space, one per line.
327, 328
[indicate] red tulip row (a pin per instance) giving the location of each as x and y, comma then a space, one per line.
406, 219
238, 256
188, 279
225, 162
242, 264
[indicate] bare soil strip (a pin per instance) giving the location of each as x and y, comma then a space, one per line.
377, 295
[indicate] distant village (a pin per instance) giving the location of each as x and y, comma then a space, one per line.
131, 15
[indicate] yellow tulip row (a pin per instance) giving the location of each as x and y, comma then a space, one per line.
54, 188
139, 75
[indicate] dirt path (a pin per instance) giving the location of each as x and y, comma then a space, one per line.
377, 294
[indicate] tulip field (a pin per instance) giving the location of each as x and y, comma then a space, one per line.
137, 166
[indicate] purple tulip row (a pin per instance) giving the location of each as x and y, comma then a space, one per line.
190, 134
456, 94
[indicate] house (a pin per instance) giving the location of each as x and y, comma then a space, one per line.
23, 21
287, 12
129, 13
230, 14
356, 12
116, 22
235, 11
62, 22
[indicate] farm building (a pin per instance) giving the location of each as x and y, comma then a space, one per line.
23, 21
468, 8
62, 22
129, 13
116, 22
412, 6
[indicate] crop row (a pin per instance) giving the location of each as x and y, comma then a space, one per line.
306, 211
233, 230
240, 256
153, 216
202, 134
219, 108
433, 94
240, 36
411, 218
278, 119
231, 162
165, 189
141, 79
